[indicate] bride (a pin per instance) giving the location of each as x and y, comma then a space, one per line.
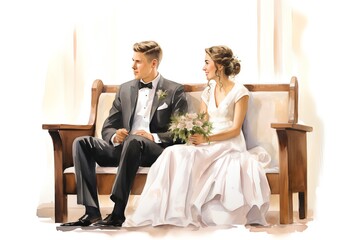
216, 180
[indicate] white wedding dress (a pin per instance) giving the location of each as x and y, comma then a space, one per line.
220, 183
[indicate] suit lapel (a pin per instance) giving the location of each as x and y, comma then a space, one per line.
155, 103
134, 90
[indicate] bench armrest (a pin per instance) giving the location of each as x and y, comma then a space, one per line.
292, 126
57, 127
292, 166
63, 136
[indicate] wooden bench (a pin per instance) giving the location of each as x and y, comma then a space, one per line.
272, 122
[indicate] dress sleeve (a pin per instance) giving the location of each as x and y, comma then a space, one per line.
242, 91
205, 95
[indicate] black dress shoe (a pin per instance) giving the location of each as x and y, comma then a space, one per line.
84, 221
111, 220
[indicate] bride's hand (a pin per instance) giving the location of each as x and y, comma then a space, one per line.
197, 139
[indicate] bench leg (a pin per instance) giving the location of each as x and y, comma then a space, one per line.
286, 208
61, 209
302, 205
60, 197
286, 202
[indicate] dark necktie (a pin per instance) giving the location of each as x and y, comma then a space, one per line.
145, 85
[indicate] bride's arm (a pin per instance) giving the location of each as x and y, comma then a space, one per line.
239, 116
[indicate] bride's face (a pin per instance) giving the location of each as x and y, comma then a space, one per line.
209, 68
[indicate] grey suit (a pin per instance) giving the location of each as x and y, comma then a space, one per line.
135, 151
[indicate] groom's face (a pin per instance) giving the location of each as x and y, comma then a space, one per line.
144, 68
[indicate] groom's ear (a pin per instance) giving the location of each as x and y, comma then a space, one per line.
154, 63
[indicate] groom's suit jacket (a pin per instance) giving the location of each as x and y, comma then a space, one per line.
122, 111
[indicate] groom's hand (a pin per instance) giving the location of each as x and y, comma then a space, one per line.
120, 136
144, 134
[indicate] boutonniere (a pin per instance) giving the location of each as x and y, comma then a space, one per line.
161, 94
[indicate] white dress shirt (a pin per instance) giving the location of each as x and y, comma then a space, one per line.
143, 110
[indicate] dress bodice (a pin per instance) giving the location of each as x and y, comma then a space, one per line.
222, 115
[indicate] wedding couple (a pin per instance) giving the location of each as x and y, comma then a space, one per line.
214, 181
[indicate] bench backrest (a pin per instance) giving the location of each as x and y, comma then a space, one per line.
268, 103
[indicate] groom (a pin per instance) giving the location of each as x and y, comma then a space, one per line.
134, 134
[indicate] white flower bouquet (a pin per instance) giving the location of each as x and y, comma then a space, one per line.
184, 125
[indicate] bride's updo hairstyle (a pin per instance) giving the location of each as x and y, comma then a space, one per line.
223, 55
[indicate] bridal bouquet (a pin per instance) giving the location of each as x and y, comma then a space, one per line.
184, 125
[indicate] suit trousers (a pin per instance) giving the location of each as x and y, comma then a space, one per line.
135, 151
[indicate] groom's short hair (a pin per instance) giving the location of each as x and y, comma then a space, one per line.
150, 49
